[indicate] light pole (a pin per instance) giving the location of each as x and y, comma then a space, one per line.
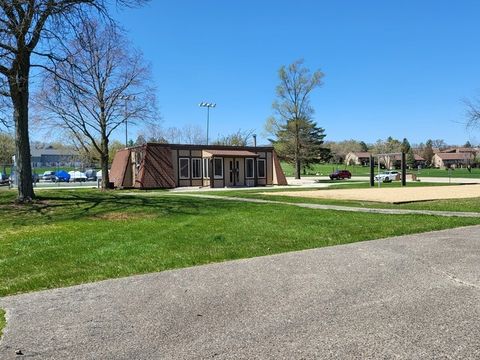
208, 106
126, 98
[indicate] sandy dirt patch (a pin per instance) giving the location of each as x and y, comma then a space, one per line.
390, 195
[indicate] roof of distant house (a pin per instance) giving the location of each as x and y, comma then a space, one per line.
58, 152
361, 154
460, 150
399, 157
454, 156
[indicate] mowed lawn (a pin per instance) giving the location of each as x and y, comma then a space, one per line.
357, 170
75, 236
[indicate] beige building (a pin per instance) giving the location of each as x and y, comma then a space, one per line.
174, 165
444, 160
357, 158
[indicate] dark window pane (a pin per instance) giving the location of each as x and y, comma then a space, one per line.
184, 169
261, 168
249, 168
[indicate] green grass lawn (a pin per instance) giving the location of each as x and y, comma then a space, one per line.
70, 237
356, 170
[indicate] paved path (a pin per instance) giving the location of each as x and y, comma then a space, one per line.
410, 297
337, 207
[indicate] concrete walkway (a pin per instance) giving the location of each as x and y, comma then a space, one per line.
341, 207
409, 297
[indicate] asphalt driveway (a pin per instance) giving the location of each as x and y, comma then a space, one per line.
410, 297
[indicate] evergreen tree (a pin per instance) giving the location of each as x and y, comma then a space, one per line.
410, 159
405, 148
364, 146
308, 137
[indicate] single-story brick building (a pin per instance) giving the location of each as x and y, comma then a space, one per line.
156, 165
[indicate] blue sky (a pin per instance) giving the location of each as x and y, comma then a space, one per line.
392, 68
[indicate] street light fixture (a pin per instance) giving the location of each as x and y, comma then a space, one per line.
208, 106
126, 98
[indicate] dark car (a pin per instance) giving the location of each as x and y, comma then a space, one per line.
340, 175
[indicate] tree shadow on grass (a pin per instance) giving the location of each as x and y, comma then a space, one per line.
78, 205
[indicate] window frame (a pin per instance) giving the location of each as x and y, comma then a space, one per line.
180, 168
205, 168
246, 168
264, 161
199, 160
215, 175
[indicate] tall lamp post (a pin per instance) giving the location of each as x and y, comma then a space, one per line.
126, 98
208, 106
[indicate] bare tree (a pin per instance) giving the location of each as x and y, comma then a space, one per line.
193, 134
25, 25
292, 123
239, 138
103, 84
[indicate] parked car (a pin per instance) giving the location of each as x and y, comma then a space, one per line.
35, 178
91, 175
387, 176
77, 176
48, 176
62, 176
4, 179
340, 175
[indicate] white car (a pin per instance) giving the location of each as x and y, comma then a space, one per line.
77, 176
387, 176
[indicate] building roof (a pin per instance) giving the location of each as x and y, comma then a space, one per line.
206, 147
454, 156
230, 153
58, 152
399, 157
460, 150
361, 154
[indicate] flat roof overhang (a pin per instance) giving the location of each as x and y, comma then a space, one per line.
229, 153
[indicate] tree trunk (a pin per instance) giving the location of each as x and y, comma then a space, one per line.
297, 151
104, 164
19, 93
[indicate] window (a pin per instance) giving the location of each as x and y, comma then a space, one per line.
206, 174
184, 167
218, 168
249, 168
261, 168
196, 168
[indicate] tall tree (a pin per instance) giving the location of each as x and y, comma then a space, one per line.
102, 86
292, 123
428, 152
24, 25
